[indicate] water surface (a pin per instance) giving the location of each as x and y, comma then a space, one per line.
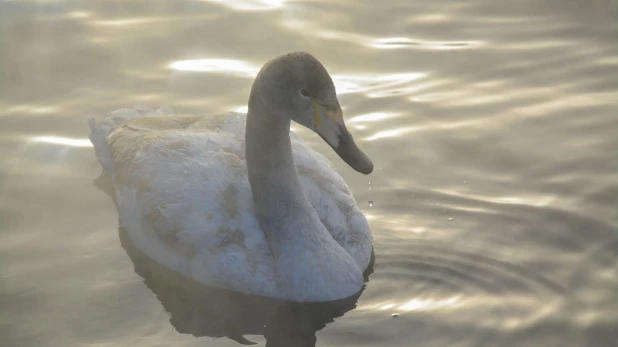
492, 125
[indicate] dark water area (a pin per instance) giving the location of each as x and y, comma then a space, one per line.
492, 126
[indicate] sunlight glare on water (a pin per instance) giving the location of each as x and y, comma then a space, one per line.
216, 65
250, 5
491, 126
62, 141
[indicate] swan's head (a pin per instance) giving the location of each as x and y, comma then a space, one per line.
297, 86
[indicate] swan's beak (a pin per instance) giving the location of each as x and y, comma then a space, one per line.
328, 123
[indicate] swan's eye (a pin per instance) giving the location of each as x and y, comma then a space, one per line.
304, 93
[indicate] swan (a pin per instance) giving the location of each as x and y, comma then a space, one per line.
238, 201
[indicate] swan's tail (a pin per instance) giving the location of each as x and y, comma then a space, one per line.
103, 125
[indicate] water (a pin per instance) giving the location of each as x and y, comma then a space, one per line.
492, 126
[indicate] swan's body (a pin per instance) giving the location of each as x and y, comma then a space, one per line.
194, 199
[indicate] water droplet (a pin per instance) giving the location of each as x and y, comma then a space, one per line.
465, 182
395, 315
370, 203
450, 218
443, 212
437, 204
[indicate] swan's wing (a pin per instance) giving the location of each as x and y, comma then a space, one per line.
334, 202
184, 197
103, 125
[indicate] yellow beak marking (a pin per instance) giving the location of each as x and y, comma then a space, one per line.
316, 114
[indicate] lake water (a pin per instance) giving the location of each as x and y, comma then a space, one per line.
493, 126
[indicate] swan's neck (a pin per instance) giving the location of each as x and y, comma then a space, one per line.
309, 265
276, 188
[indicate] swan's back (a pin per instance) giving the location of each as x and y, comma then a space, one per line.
184, 197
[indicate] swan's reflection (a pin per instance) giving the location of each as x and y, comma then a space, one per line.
201, 310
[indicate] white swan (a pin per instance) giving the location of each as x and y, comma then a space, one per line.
240, 202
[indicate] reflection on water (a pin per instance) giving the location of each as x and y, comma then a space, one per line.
404, 42
417, 304
493, 202
201, 310
62, 141
250, 5
205, 311
225, 66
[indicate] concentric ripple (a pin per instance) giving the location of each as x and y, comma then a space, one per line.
469, 271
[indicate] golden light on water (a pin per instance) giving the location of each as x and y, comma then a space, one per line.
416, 304
373, 117
429, 304
217, 65
241, 109
79, 14
126, 22
65, 141
391, 133
34, 109
397, 42
405, 42
374, 85
250, 5
429, 18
